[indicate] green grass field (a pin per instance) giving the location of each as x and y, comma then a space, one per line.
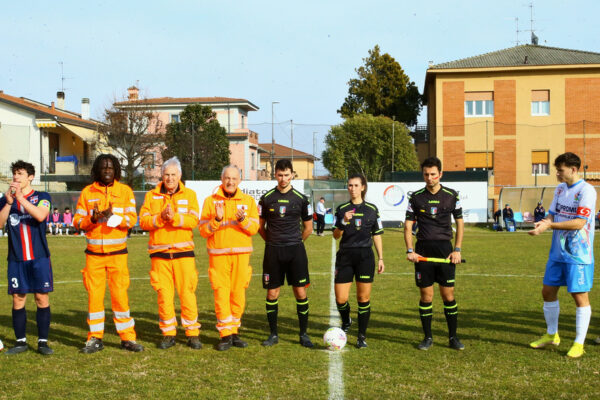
500, 312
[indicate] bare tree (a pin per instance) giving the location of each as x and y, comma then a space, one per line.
133, 131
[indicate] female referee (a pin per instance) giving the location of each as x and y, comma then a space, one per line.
359, 226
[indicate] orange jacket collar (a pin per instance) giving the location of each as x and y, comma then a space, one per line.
221, 193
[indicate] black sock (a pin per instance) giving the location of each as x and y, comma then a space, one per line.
344, 310
43, 322
426, 313
451, 311
302, 310
19, 319
364, 313
272, 308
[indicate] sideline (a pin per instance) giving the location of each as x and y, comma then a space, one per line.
336, 362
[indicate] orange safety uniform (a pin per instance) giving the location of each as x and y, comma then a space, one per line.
106, 255
229, 244
171, 249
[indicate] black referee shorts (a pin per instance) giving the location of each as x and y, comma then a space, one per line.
427, 273
285, 262
357, 263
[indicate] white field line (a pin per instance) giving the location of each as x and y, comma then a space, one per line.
331, 273
336, 362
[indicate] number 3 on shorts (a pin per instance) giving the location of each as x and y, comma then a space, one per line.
15, 283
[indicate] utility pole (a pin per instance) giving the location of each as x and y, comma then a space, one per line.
314, 151
193, 151
292, 134
584, 164
273, 141
393, 140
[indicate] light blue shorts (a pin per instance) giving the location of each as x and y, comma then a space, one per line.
577, 278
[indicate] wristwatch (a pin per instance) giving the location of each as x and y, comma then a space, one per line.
408, 251
457, 249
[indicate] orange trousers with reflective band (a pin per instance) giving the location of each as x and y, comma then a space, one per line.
179, 274
229, 277
97, 270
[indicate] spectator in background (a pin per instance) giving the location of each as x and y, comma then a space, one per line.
539, 213
508, 216
67, 220
321, 210
56, 222
497, 216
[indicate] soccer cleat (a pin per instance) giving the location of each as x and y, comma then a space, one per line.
194, 343
166, 342
545, 340
597, 340
131, 345
225, 343
237, 342
271, 340
305, 341
576, 351
361, 342
44, 349
425, 344
455, 344
93, 345
346, 325
20, 347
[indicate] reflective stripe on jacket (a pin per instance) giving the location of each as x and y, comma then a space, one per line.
100, 237
174, 236
229, 236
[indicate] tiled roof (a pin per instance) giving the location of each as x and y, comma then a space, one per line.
283, 152
45, 111
524, 55
189, 100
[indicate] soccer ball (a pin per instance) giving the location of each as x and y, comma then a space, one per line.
334, 339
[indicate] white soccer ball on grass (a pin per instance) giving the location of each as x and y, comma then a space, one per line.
335, 339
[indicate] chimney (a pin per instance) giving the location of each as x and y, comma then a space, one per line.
52, 105
60, 100
85, 108
133, 93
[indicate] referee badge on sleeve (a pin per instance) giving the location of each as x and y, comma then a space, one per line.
379, 223
309, 210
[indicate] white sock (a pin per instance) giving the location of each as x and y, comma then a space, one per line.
582, 322
551, 312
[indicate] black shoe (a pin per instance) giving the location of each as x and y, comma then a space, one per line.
237, 342
271, 340
166, 342
305, 341
455, 344
44, 349
93, 345
225, 343
361, 342
131, 345
346, 326
194, 343
425, 344
20, 347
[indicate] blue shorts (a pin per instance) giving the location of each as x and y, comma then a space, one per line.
578, 278
33, 276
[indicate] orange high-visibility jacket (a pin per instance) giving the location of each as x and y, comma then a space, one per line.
176, 236
100, 237
229, 236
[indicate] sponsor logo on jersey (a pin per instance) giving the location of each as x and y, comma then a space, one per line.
584, 211
14, 219
577, 196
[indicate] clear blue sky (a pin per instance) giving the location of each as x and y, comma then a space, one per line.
301, 54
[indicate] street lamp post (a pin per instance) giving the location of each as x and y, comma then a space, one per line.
273, 141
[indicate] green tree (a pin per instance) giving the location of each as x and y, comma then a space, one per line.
382, 88
131, 130
363, 144
199, 142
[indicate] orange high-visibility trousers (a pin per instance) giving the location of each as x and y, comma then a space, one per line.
229, 277
97, 269
179, 274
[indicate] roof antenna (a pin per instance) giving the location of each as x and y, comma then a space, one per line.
534, 38
517, 31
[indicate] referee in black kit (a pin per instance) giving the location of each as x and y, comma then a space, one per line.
282, 211
433, 207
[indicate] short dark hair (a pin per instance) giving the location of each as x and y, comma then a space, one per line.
55, 209
284, 164
432, 162
568, 160
96, 167
67, 208
363, 181
20, 164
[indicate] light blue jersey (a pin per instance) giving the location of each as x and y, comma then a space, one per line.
570, 202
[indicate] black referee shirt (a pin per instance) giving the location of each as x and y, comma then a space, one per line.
360, 230
433, 213
283, 213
